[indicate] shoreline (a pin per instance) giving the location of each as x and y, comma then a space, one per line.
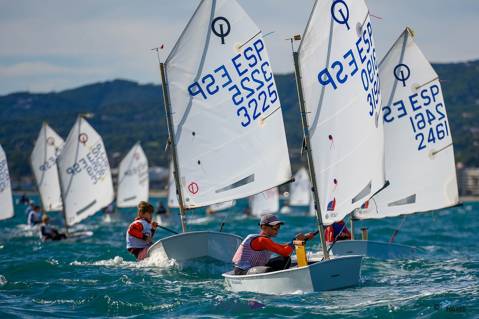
164, 193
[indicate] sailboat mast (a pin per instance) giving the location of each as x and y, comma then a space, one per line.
312, 174
351, 218
62, 198
171, 134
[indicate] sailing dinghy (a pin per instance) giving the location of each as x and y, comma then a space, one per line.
85, 178
342, 135
224, 120
299, 192
266, 202
416, 132
43, 161
300, 189
6, 200
133, 182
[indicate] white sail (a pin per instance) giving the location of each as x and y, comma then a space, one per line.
227, 116
6, 201
337, 61
43, 161
300, 189
172, 196
312, 210
418, 143
84, 171
133, 181
266, 202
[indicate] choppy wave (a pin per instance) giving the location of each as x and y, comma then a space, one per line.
97, 277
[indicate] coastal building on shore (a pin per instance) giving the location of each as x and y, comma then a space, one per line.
468, 181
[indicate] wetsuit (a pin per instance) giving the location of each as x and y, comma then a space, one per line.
49, 232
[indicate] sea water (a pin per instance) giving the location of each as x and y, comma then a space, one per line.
96, 277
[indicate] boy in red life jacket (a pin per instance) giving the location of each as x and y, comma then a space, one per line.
336, 231
256, 249
141, 231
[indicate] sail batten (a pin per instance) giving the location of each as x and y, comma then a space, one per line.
417, 132
84, 173
226, 114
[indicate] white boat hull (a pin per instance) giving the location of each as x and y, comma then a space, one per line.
375, 249
197, 244
336, 273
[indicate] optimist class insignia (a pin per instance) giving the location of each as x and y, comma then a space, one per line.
193, 188
83, 138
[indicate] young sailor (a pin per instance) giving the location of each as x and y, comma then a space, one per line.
336, 231
256, 249
140, 232
49, 232
34, 216
161, 210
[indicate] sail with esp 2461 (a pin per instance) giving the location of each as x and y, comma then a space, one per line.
227, 120
84, 171
419, 150
339, 75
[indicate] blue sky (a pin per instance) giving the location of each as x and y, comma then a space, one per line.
51, 45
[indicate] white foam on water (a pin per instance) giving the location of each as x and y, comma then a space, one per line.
3, 280
157, 261
107, 219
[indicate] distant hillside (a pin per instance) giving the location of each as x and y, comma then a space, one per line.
126, 112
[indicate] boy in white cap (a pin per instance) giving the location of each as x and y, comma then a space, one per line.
256, 249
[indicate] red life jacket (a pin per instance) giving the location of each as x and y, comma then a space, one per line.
136, 233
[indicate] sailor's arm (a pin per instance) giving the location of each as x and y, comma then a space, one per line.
136, 230
154, 225
264, 243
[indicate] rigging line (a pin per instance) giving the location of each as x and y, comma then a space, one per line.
396, 231
167, 229
335, 239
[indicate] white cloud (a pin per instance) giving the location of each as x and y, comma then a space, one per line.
28, 69
98, 40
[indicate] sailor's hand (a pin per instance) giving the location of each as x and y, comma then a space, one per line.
310, 235
154, 225
300, 236
148, 238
